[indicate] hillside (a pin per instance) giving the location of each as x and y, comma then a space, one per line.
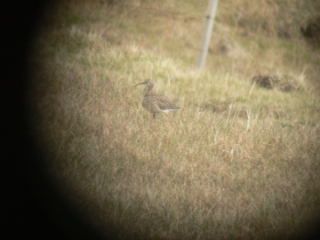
239, 160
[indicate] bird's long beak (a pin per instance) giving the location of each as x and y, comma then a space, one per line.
141, 83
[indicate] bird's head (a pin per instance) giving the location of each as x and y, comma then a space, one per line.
149, 82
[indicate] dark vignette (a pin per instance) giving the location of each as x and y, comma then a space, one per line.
32, 207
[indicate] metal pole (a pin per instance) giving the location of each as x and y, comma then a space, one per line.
206, 34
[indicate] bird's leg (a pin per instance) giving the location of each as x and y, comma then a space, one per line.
154, 116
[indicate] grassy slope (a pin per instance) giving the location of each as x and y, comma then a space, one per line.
235, 161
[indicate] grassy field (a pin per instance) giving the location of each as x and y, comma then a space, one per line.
236, 162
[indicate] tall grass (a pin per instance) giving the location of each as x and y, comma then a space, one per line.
237, 161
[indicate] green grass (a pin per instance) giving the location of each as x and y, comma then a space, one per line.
237, 161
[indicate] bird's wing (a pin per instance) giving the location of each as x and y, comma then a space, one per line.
164, 103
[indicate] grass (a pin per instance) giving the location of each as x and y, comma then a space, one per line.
237, 161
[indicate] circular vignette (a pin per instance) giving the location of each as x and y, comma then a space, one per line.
32, 208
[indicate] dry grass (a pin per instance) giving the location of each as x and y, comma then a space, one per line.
237, 161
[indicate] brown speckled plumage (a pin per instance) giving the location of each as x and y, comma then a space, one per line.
154, 102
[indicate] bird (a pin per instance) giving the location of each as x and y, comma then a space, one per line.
154, 102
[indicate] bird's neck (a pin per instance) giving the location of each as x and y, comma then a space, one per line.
147, 90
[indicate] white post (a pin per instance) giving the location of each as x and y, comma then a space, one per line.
206, 34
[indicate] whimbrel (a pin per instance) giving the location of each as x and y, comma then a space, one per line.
154, 102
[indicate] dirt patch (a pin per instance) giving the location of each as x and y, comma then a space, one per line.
284, 83
311, 31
